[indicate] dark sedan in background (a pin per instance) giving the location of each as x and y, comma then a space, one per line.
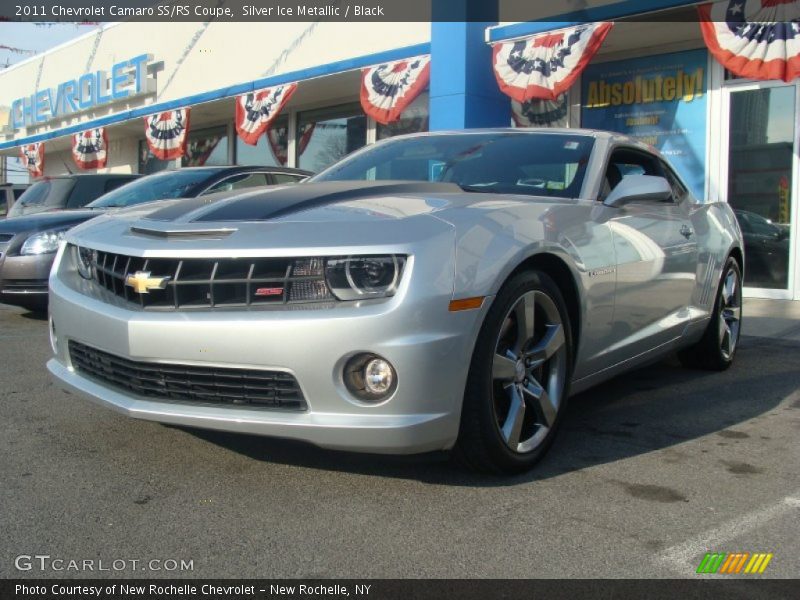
66, 192
28, 243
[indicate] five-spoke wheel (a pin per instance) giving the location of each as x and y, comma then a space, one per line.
730, 313
519, 377
717, 347
529, 371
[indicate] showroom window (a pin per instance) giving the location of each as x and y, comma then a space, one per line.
148, 163
324, 136
272, 147
207, 147
413, 120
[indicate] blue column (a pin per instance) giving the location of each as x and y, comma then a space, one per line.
463, 91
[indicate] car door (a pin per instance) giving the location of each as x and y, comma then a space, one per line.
656, 253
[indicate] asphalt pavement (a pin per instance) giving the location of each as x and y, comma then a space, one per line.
650, 472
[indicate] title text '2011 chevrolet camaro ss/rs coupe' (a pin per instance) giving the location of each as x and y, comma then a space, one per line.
430, 292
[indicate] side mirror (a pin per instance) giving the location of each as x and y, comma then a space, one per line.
639, 188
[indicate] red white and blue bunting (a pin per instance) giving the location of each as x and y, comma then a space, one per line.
199, 150
90, 148
256, 110
32, 157
545, 66
278, 138
387, 89
541, 113
166, 133
755, 39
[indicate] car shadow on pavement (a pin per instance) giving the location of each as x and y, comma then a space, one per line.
647, 410
35, 315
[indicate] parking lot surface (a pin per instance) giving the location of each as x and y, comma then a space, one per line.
650, 472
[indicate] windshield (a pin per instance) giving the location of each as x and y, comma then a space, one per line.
537, 164
47, 194
160, 186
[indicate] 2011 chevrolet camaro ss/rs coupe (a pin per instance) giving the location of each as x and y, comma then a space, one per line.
430, 292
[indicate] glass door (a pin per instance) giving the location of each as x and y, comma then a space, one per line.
762, 165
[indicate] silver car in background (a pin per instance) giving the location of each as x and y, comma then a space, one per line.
442, 291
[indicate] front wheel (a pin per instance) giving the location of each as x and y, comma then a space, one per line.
519, 377
717, 348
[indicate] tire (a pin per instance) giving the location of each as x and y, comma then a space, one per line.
510, 375
717, 348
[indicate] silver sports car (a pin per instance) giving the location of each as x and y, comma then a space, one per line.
430, 292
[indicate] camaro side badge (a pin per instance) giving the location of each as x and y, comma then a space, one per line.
142, 283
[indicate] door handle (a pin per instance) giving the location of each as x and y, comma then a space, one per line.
687, 231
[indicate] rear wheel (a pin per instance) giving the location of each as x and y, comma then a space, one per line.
717, 348
519, 377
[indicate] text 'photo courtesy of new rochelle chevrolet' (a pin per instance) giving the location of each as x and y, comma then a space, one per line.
474, 298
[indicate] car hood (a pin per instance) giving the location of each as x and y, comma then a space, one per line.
329, 215
46, 220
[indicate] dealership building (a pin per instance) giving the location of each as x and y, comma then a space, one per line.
654, 75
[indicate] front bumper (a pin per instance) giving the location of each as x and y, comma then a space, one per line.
378, 433
429, 347
23, 279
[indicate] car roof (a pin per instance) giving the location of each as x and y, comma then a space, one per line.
599, 134
246, 168
517, 130
86, 176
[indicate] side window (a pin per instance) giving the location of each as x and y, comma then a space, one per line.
3, 203
87, 188
18, 192
238, 182
625, 162
280, 178
679, 191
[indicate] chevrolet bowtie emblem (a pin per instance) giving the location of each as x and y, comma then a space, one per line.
142, 283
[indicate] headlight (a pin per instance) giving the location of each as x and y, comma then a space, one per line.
45, 242
362, 277
85, 259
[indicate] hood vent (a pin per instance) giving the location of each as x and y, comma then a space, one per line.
183, 234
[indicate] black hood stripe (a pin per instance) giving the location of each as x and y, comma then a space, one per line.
268, 204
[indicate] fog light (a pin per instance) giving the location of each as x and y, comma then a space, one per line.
378, 376
370, 378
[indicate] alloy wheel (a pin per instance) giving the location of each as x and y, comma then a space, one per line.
730, 313
529, 371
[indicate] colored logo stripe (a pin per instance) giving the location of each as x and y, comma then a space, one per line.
732, 564
711, 563
758, 564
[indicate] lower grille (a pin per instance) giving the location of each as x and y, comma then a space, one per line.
188, 383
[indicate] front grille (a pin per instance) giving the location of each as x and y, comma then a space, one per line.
24, 285
208, 283
188, 383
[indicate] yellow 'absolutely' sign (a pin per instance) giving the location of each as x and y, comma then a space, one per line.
642, 90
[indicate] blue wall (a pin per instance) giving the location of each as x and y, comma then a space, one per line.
463, 91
